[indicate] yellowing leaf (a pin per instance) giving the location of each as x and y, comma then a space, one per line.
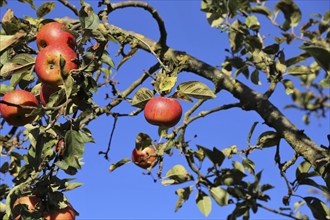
196, 90
8, 40
204, 203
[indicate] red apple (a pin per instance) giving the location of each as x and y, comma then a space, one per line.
162, 111
142, 157
45, 93
53, 33
30, 201
67, 213
48, 64
15, 115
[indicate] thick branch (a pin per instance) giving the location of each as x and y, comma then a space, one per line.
249, 99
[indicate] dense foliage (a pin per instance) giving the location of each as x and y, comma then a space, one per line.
54, 141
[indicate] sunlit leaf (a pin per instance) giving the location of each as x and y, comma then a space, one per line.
176, 175
141, 97
291, 12
268, 139
248, 165
289, 87
119, 164
88, 18
8, 40
142, 141
196, 90
183, 194
219, 195
45, 8
204, 203
262, 10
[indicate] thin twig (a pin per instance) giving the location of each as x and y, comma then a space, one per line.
147, 7
106, 153
70, 6
277, 211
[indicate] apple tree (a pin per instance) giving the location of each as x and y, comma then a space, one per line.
53, 142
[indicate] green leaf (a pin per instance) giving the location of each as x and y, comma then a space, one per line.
318, 208
297, 59
29, 2
142, 141
219, 195
268, 139
325, 83
167, 84
20, 64
266, 187
291, 12
5, 88
182, 96
74, 148
71, 186
302, 169
176, 175
141, 97
237, 165
255, 77
204, 203
9, 40
262, 10
215, 156
298, 70
320, 54
271, 49
45, 8
252, 22
88, 19
248, 165
119, 164
215, 13
289, 87
196, 90
183, 194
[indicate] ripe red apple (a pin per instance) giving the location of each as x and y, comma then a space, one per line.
29, 201
15, 115
48, 64
45, 93
32, 202
162, 111
53, 33
67, 213
142, 157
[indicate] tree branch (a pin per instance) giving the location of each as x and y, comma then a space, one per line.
249, 99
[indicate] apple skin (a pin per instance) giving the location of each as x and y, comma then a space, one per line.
67, 213
162, 111
15, 115
141, 159
45, 93
53, 34
47, 65
30, 201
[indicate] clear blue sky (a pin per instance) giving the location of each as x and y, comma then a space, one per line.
127, 193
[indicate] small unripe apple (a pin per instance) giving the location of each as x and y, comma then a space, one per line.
162, 111
142, 157
48, 67
15, 115
53, 33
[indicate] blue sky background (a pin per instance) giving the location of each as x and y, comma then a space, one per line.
127, 193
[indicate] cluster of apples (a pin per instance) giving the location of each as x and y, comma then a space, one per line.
163, 112
53, 42
33, 203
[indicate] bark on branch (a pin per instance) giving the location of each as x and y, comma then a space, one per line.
250, 100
